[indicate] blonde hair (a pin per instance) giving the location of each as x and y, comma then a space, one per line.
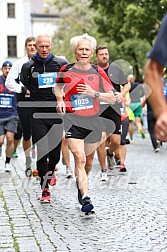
74, 41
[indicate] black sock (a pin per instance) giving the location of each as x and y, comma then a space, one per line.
109, 153
7, 160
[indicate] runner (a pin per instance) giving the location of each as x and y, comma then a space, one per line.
81, 83
121, 150
111, 115
8, 115
136, 96
38, 76
23, 95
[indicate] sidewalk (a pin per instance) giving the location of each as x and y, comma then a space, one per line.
131, 209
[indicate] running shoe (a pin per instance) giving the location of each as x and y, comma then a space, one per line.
45, 196
142, 133
8, 167
52, 181
104, 175
14, 154
68, 172
35, 173
127, 141
87, 205
28, 172
122, 168
110, 161
156, 149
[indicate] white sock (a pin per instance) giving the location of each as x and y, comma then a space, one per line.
84, 196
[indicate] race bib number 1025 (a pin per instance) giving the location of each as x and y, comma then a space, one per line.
80, 102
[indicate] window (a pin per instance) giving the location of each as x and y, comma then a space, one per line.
11, 10
12, 46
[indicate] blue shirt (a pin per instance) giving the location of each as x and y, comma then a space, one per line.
159, 49
8, 103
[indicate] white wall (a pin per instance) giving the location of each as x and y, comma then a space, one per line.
23, 25
40, 27
19, 26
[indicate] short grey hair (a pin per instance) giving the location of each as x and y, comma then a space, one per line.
74, 41
43, 35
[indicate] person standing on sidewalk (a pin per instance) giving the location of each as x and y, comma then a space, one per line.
80, 82
14, 84
8, 115
39, 75
153, 74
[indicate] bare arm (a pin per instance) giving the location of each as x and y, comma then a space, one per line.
10, 82
58, 90
125, 89
153, 74
107, 97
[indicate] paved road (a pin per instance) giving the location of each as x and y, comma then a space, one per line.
131, 209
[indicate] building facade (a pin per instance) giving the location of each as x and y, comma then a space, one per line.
20, 19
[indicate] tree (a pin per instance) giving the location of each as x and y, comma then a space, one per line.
76, 18
132, 24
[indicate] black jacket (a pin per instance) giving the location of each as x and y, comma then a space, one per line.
30, 73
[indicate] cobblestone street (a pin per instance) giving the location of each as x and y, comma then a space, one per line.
131, 209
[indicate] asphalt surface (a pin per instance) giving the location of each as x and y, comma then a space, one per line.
131, 209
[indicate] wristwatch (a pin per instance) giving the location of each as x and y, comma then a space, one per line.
96, 94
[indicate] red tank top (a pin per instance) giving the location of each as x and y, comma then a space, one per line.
80, 104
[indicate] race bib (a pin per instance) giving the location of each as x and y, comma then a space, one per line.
5, 102
123, 108
80, 102
46, 80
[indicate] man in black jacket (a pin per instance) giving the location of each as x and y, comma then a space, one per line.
39, 76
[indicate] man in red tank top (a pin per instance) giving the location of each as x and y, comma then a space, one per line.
78, 94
